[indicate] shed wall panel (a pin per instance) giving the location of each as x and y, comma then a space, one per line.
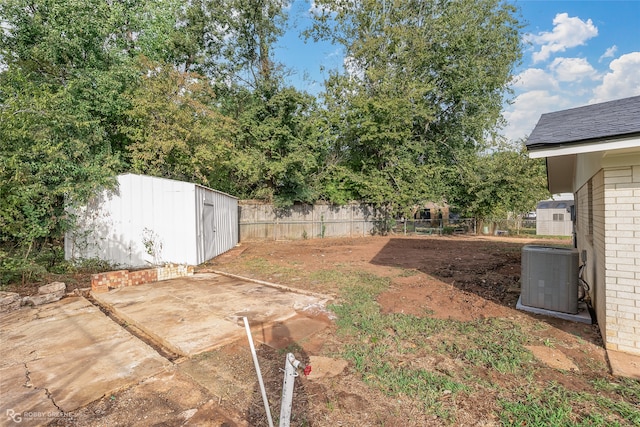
149, 220
217, 226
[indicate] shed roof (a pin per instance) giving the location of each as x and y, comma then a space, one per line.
554, 204
619, 118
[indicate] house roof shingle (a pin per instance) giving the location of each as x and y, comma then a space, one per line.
587, 124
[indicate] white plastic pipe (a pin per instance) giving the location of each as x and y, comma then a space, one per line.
258, 372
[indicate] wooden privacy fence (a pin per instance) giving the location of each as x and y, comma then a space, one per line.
262, 221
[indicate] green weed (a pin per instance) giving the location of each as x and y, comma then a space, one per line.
493, 343
624, 387
627, 411
557, 406
372, 332
548, 407
408, 272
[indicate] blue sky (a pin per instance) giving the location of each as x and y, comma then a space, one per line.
578, 52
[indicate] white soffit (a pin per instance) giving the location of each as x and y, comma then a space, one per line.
560, 173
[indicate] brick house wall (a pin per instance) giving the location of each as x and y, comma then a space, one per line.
599, 254
608, 228
622, 269
590, 237
594, 151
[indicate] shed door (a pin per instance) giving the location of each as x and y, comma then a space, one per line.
209, 230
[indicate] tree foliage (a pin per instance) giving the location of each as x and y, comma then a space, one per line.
425, 84
500, 182
171, 128
55, 96
277, 156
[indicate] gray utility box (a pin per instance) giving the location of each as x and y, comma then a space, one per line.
549, 278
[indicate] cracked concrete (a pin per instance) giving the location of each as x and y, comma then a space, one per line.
28, 384
61, 356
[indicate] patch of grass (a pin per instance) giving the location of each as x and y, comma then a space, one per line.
263, 268
327, 276
351, 281
294, 348
627, 411
408, 272
624, 387
557, 406
416, 329
538, 407
372, 332
377, 369
491, 343
359, 313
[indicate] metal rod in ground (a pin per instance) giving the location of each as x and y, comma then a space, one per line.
291, 366
258, 372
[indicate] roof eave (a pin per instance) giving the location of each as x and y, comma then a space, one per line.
592, 146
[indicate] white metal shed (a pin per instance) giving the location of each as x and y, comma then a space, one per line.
553, 218
148, 220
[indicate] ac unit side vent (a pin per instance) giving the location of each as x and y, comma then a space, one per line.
549, 278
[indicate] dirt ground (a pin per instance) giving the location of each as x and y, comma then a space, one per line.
459, 278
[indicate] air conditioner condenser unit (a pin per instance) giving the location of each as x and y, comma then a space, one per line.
549, 278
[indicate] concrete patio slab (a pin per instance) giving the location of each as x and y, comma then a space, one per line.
190, 315
582, 316
62, 356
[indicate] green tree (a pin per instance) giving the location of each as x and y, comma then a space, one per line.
172, 127
424, 85
51, 152
60, 97
500, 182
229, 41
276, 151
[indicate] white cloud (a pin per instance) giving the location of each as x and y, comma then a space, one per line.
622, 81
572, 69
353, 68
534, 79
317, 10
567, 32
523, 115
314, 9
609, 53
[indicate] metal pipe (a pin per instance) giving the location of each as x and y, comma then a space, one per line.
291, 366
257, 366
